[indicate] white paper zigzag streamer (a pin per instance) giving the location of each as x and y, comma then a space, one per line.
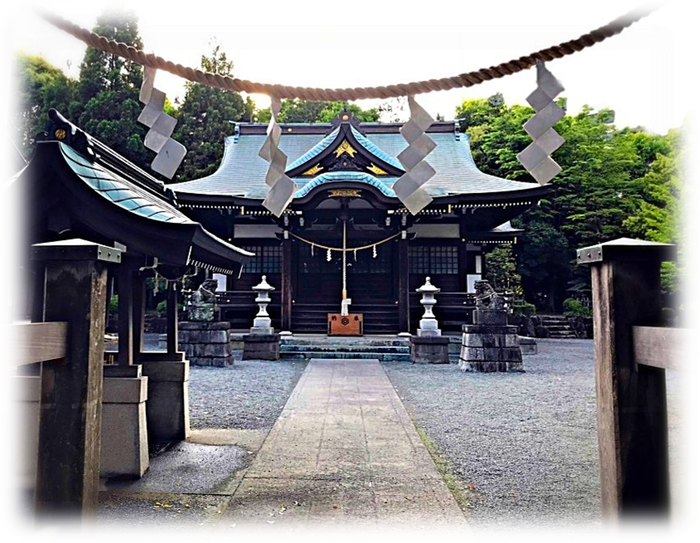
535, 158
282, 188
418, 171
169, 152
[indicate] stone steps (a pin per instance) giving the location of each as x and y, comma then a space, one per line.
558, 327
383, 348
344, 355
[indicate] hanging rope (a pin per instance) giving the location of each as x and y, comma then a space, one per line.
321, 94
344, 249
345, 262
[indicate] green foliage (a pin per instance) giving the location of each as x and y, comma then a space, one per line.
204, 119
574, 308
670, 214
114, 303
501, 271
614, 183
162, 308
107, 99
524, 309
40, 87
303, 111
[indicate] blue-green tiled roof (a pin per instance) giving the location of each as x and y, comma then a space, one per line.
315, 150
334, 177
242, 172
376, 151
110, 186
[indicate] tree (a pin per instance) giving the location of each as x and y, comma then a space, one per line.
601, 187
501, 270
670, 215
304, 111
40, 87
107, 104
204, 119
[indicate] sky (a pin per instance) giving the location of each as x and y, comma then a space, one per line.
366, 43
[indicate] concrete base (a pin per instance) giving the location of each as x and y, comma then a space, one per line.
168, 407
261, 347
430, 350
124, 447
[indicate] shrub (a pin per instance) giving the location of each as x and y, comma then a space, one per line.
524, 309
574, 308
114, 304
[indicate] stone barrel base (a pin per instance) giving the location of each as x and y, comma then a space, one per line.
430, 350
490, 348
261, 347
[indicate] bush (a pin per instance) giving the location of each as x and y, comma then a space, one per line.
574, 308
524, 309
114, 304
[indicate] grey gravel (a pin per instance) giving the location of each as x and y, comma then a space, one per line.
248, 395
526, 441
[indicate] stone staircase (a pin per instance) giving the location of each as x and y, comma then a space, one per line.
384, 348
558, 327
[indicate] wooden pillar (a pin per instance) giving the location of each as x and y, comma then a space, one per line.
462, 256
139, 313
125, 287
402, 272
631, 399
68, 469
171, 318
286, 283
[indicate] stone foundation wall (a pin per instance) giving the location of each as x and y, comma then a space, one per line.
490, 348
207, 343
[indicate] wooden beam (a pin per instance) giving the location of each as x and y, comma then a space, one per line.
402, 272
286, 286
40, 341
659, 347
139, 314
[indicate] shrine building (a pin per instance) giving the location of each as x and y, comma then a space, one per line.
346, 232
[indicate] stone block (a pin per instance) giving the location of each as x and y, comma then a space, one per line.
472, 353
528, 345
216, 362
430, 350
213, 350
472, 340
486, 329
193, 325
496, 317
203, 336
261, 347
167, 409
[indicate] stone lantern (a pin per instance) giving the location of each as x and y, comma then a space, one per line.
428, 346
262, 323
428, 324
262, 343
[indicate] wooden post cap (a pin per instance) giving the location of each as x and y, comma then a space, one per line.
627, 249
75, 249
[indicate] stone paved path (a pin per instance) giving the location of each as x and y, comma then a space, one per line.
343, 450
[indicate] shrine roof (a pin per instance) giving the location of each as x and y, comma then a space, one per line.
310, 148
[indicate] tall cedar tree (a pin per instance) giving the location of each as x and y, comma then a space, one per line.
203, 120
107, 104
670, 215
40, 87
602, 185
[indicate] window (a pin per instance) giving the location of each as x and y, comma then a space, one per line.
438, 260
267, 259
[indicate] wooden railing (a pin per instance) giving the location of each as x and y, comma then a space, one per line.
631, 356
40, 342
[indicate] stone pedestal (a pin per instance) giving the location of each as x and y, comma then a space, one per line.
124, 440
124, 446
430, 350
528, 345
206, 343
490, 345
261, 347
168, 406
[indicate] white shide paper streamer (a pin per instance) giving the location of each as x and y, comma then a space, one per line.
408, 188
282, 188
535, 158
170, 153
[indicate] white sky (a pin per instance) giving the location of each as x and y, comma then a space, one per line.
365, 43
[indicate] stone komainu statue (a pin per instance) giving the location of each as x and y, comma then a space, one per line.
487, 298
201, 303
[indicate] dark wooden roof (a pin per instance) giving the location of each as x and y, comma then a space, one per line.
74, 182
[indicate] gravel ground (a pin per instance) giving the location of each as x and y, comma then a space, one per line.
248, 395
526, 441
